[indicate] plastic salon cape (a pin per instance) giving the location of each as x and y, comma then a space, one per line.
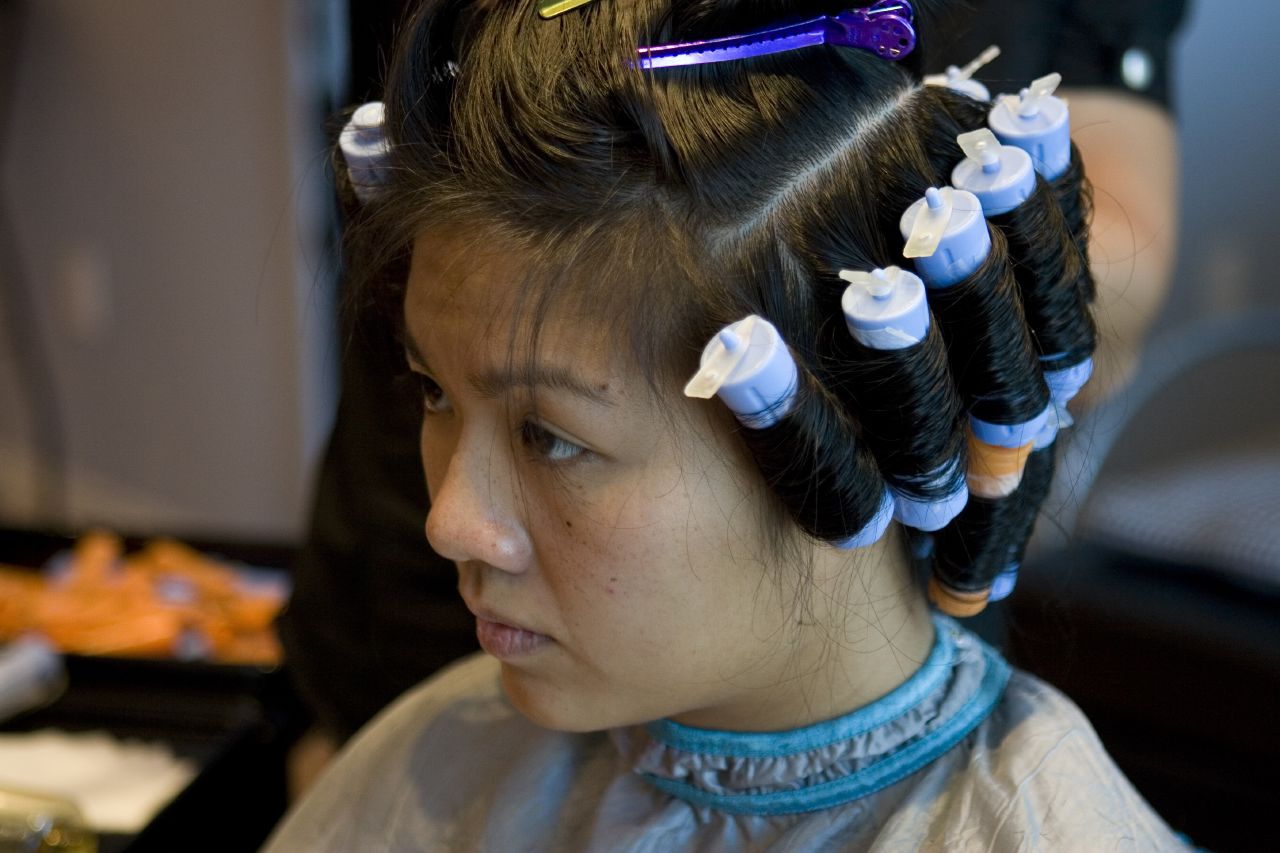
965, 755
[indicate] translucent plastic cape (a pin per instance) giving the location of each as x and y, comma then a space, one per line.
965, 755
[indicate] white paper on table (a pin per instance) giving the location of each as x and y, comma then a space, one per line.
119, 785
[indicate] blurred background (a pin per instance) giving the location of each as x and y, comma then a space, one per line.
169, 358
169, 348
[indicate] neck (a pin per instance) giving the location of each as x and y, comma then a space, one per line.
862, 631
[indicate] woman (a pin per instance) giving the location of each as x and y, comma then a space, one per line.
700, 632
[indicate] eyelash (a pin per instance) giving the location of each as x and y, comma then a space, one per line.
541, 442
434, 402
548, 446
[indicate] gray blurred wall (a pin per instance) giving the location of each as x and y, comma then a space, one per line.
1229, 118
164, 174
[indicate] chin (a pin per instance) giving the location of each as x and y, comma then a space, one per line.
553, 706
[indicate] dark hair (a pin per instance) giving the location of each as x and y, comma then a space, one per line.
706, 193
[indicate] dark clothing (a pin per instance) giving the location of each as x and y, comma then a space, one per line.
1084, 40
374, 610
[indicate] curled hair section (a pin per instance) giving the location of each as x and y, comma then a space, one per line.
1037, 121
911, 415
804, 443
814, 461
897, 381
1053, 277
988, 539
989, 344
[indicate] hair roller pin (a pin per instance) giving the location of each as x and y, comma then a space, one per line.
1036, 122
749, 367
365, 148
946, 234
961, 79
1001, 176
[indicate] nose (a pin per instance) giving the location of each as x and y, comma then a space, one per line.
473, 515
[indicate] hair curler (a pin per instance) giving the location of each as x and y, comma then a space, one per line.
366, 149
948, 240
885, 309
749, 367
1000, 176
961, 79
1036, 122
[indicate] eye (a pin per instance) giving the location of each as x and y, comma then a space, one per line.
548, 446
434, 401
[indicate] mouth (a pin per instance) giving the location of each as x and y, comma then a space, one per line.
504, 640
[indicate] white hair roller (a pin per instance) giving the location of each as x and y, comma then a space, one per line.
366, 149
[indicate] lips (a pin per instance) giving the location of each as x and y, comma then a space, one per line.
506, 642
502, 638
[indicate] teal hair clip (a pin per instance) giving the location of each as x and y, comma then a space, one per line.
553, 8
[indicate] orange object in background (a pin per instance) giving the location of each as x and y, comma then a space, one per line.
166, 600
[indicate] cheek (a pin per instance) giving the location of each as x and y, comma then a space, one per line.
597, 550
640, 560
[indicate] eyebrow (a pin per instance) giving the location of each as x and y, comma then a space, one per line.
492, 383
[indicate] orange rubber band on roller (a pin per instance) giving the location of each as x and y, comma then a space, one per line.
954, 602
995, 472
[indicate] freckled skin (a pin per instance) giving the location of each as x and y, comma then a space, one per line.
641, 557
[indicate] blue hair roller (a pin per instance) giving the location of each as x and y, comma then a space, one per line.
1036, 122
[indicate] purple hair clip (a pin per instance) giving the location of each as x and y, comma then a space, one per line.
883, 28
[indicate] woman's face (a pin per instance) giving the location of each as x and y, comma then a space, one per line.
614, 563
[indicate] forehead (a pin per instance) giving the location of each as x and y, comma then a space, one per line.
474, 297
454, 273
